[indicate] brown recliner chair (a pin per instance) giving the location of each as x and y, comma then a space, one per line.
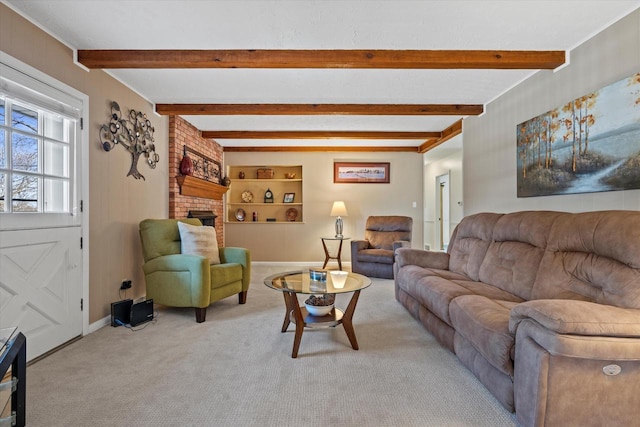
374, 256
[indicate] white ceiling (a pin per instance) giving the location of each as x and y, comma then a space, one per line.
322, 24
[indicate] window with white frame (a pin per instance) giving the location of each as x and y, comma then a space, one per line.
40, 148
36, 158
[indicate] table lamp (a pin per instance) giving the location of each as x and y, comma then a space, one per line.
339, 210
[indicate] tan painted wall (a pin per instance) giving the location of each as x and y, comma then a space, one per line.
490, 140
116, 203
301, 241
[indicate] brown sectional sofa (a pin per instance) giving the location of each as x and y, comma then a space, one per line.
543, 307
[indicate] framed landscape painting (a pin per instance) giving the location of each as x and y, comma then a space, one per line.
360, 172
588, 145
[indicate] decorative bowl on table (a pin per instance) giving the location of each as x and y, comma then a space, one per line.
320, 305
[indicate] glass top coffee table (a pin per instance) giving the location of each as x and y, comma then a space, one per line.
292, 283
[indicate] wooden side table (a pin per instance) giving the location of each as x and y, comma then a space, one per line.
327, 254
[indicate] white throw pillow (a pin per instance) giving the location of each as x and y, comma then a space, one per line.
199, 240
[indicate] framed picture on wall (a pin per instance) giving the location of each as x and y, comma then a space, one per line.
587, 145
361, 172
288, 197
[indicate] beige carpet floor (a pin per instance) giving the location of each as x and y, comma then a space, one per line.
236, 370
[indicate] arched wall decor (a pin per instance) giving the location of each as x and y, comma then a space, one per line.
134, 133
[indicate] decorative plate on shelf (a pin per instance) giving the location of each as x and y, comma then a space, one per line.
292, 214
247, 196
240, 214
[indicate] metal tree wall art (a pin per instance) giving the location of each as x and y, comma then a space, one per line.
134, 133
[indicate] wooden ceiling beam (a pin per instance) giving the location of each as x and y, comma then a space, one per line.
319, 134
320, 109
379, 59
369, 149
453, 130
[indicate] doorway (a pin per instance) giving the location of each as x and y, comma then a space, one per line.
443, 221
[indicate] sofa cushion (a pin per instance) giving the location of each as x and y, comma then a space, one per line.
513, 258
224, 274
470, 242
592, 256
435, 289
382, 231
161, 237
383, 256
489, 291
511, 266
435, 293
485, 324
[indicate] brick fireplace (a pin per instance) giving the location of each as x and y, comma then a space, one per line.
182, 133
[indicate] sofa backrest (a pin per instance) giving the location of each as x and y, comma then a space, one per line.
382, 231
161, 237
469, 243
592, 256
518, 243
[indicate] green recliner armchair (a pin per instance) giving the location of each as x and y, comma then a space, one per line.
180, 280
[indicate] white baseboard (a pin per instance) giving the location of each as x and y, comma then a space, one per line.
105, 321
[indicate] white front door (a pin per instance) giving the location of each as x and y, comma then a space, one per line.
42, 274
41, 285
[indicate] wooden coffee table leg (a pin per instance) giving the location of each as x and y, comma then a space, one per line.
287, 314
298, 337
297, 314
347, 320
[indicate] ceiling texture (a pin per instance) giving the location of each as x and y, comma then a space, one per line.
305, 75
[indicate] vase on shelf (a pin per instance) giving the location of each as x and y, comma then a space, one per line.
186, 165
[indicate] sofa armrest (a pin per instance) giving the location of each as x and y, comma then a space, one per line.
358, 245
570, 357
198, 285
240, 256
573, 317
426, 259
235, 255
400, 244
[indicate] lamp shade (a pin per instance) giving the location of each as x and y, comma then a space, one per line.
339, 209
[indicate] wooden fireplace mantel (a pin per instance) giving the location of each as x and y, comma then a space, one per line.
197, 187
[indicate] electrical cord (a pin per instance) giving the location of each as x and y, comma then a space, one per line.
135, 329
